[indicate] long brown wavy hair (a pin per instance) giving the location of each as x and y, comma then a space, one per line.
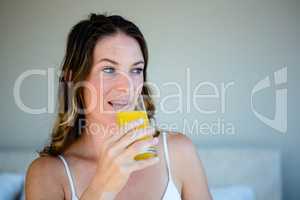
76, 67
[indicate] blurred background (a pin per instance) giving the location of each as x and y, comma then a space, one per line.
208, 59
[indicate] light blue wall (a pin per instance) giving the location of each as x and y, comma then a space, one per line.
219, 41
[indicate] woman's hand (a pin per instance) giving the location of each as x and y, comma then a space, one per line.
116, 160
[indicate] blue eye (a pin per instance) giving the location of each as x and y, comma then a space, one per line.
137, 70
109, 70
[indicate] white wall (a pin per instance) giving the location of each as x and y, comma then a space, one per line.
219, 41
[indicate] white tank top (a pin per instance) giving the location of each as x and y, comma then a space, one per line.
171, 192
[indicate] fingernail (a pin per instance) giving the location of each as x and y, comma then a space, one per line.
134, 135
156, 158
151, 130
140, 121
155, 140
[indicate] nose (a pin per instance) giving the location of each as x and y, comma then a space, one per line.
124, 83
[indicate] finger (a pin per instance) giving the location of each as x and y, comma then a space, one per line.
132, 125
133, 136
121, 131
139, 147
142, 164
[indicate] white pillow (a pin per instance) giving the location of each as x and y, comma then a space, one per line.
237, 192
11, 185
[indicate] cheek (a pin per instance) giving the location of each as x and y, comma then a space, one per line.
95, 95
90, 96
101, 94
138, 85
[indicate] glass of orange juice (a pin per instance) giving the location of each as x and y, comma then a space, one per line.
139, 112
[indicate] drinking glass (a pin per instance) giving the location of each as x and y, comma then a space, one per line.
139, 112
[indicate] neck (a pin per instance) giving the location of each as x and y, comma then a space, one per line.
93, 136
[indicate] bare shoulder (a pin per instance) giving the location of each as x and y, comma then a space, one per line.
181, 144
44, 179
180, 138
188, 167
45, 162
182, 153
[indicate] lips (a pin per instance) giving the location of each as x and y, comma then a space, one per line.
118, 104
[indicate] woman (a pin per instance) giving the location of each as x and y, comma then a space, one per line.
105, 63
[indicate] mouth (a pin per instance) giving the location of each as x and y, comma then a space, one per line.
119, 105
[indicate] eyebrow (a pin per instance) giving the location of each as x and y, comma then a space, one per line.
116, 63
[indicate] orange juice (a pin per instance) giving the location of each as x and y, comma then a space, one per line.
124, 117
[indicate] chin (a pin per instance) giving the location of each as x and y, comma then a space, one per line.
105, 117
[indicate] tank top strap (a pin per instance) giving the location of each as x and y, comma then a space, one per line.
166, 153
70, 178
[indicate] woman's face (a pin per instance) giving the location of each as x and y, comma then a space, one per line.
116, 78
